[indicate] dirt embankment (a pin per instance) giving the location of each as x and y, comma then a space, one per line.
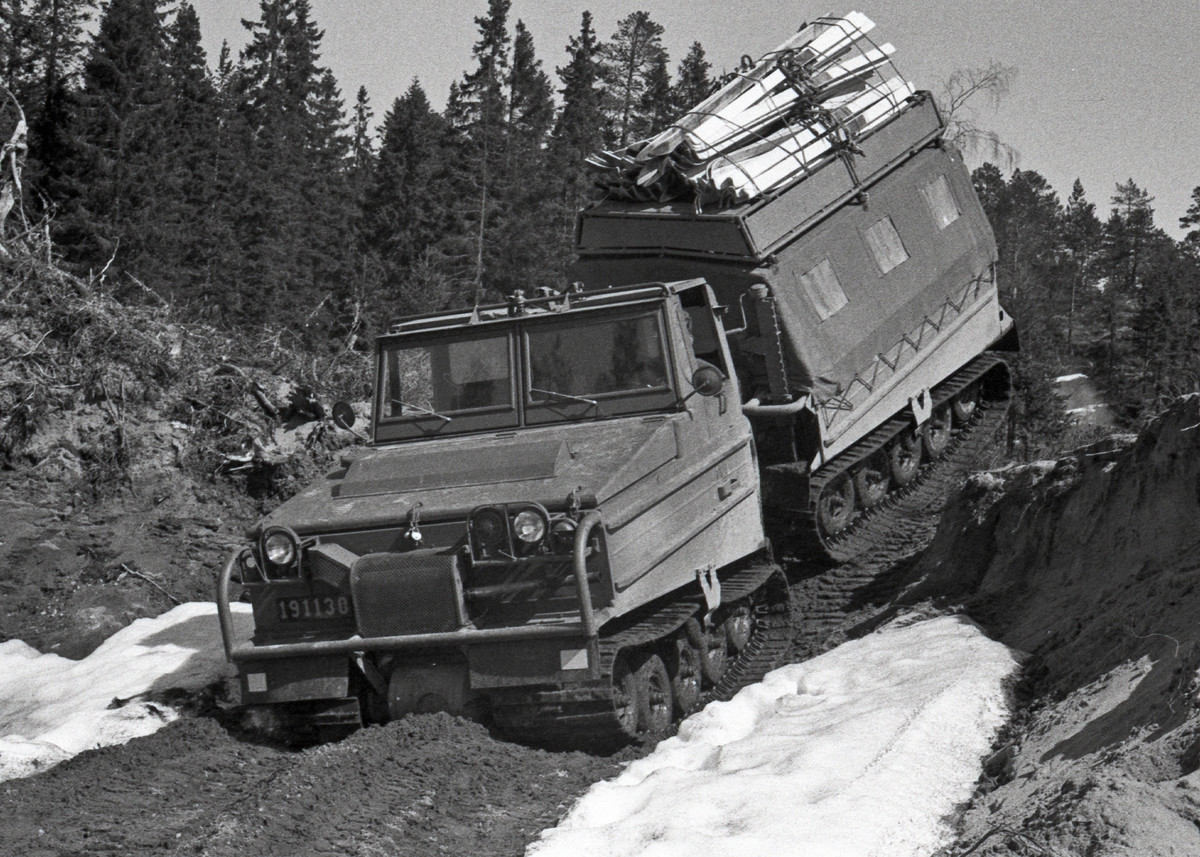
135, 447
1090, 565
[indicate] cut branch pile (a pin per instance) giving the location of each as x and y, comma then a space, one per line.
108, 394
779, 119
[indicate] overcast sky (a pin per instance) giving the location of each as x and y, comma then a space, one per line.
1105, 91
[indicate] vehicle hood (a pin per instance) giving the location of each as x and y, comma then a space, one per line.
449, 477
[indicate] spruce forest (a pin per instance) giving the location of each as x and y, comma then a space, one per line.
249, 192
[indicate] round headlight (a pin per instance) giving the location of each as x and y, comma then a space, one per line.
487, 526
280, 548
529, 526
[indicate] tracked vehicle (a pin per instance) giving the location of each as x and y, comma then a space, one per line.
564, 518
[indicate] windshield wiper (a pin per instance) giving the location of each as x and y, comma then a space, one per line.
431, 413
568, 396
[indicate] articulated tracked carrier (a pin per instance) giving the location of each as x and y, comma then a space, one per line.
561, 521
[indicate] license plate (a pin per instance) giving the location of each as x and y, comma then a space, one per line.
315, 607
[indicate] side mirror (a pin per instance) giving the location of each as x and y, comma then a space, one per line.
343, 415
708, 380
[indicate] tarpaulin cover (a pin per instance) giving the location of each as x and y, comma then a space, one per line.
936, 253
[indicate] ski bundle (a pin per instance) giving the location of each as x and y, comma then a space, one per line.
778, 119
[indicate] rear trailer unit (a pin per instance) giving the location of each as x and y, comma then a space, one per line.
860, 305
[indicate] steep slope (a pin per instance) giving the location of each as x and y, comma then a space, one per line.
1090, 565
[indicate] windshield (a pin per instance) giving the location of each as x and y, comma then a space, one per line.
443, 378
568, 367
594, 358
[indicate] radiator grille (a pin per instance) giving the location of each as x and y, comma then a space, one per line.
406, 593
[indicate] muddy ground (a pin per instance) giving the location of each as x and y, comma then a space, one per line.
1086, 565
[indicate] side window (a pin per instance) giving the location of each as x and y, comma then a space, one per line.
886, 245
941, 202
702, 329
824, 289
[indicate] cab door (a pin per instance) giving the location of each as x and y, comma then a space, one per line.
707, 513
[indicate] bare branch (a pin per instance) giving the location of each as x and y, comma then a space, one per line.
12, 159
956, 100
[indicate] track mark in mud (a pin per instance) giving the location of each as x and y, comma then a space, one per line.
832, 599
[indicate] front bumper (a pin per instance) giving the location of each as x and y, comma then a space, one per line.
242, 652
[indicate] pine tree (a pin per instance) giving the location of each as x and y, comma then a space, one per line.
580, 129
17, 48
362, 149
1192, 218
990, 187
1164, 329
1026, 216
296, 216
1149, 313
194, 254
1081, 239
1028, 257
523, 256
1028, 226
478, 111
655, 108
408, 205
530, 103
578, 132
1125, 237
42, 48
692, 82
628, 65
117, 166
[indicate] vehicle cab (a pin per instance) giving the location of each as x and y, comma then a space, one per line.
536, 471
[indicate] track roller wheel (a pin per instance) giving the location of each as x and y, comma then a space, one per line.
683, 666
904, 457
656, 705
625, 695
871, 481
965, 404
935, 434
835, 508
739, 626
713, 646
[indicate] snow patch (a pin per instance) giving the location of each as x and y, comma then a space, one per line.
1063, 379
865, 750
52, 708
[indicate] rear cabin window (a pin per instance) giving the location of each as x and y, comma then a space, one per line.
885, 244
941, 202
824, 289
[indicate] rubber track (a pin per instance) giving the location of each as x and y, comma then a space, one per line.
583, 715
769, 645
864, 531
